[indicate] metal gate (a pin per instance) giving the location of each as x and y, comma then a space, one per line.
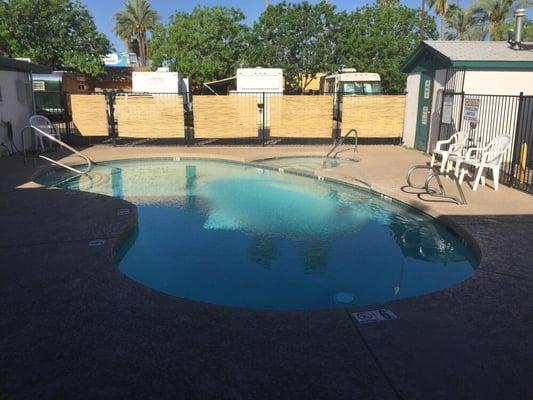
487, 116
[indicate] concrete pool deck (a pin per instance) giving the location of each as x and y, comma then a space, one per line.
74, 327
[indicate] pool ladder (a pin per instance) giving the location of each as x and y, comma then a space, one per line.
40, 132
436, 174
339, 143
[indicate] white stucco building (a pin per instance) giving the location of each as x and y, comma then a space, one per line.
473, 68
16, 100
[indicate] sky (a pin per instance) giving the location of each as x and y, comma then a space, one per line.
104, 10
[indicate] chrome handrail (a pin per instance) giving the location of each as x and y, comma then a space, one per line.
60, 143
436, 174
442, 193
339, 143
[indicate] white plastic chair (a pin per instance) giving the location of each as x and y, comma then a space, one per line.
44, 124
490, 156
456, 142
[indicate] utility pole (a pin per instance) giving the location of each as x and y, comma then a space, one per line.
422, 20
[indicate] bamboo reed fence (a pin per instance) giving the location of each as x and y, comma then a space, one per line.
226, 116
301, 116
150, 116
89, 114
373, 116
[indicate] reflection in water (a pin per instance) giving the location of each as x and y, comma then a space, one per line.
423, 241
117, 183
190, 186
263, 251
313, 256
398, 287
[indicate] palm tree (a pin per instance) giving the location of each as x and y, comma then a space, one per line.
132, 23
462, 25
495, 12
441, 8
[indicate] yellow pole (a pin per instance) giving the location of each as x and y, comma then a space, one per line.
523, 162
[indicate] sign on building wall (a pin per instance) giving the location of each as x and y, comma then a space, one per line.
471, 111
447, 108
425, 112
427, 89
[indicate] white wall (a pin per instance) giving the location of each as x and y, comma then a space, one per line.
16, 105
498, 82
411, 109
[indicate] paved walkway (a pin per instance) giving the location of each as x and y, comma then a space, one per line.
74, 327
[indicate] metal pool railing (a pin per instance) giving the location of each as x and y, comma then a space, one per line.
40, 132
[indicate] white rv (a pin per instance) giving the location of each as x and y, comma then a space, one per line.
255, 80
350, 82
160, 81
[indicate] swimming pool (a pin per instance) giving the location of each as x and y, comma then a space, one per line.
241, 235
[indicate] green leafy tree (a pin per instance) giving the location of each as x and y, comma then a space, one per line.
500, 31
57, 33
132, 24
379, 39
441, 8
462, 25
297, 37
206, 44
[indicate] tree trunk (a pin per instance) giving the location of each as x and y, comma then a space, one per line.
442, 27
142, 49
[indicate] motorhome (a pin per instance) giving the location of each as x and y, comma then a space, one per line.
350, 82
255, 80
160, 81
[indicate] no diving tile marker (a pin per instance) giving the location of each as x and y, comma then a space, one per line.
123, 211
96, 243
368, 317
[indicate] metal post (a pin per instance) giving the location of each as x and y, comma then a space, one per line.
516, 149
440, 117
190, 119
337, 115
461, 111
111, 115
66, 113
263, 131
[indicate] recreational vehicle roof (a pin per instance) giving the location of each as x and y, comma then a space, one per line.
260, 80
350, 75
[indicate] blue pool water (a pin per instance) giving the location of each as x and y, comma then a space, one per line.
244, 236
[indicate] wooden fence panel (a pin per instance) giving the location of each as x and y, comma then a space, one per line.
301, 116
374, 116
150, 116
89, 114
226, 116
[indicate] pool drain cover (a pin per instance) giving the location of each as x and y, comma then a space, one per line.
344, 298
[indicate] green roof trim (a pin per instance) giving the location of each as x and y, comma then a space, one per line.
11, 64
426, 58
493, 64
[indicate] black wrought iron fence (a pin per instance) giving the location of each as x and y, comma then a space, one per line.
486, 116
55, 106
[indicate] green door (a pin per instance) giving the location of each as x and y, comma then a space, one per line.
424, 110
